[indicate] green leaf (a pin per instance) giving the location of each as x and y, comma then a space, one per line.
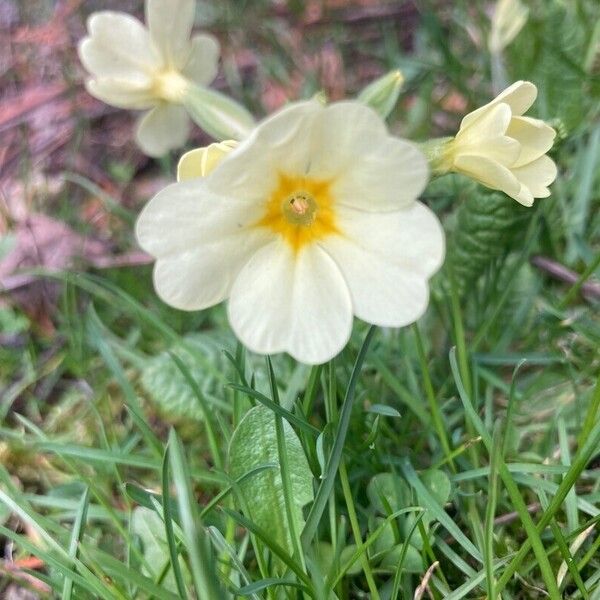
488, 224
388, 492
384, 410
149, 527
254, 443
438, 484
203, 357
327, 558
166, 384
413, 563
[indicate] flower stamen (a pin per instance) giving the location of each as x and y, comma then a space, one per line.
300, 208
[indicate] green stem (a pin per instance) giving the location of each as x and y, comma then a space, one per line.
288, 492
322, 496
434, 407
364, 560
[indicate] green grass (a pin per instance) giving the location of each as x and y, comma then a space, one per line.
470, 440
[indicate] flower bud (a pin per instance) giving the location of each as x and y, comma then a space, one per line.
202, 161
382, 94
501, 148
509, 18
220, 116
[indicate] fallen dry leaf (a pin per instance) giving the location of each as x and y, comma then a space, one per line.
41, 241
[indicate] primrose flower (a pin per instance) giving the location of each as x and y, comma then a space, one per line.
150, 68
499, 147
311, 219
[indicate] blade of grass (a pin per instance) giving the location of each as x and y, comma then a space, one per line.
565, 458
436, 413
284, 470
564, 550
290, 417
272, 544
586, 450
431, 504
533, 536
76, 536
167, 514
206, 412
197, 545
364, 560
326, 486
490, 513
87, 581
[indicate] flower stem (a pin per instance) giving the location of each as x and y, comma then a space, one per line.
436, 413
364, 560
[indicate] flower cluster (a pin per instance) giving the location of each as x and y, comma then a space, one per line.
310, 218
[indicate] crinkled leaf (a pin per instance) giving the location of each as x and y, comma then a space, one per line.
254, 443
203, 356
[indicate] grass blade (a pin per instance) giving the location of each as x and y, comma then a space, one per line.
333, 462
197, 544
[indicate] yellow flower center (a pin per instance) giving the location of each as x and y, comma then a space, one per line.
301, 210
171, 86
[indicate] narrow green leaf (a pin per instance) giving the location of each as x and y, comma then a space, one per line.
433, 506
76, 536
533, 536
202, 565
333, 462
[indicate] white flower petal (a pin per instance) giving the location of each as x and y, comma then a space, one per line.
297, 303
164, 128
203, 276
519, 97
488, 172
524, 197
121, 93
486, 137
280, 144
385, 176
186, 215
119, 47
342, 133
203, 62
492, 123
386, 259
534, 136
537, 176
170, 23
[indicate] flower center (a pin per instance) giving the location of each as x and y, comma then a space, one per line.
301, 210
171, 86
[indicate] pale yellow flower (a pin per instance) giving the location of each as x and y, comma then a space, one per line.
150, 68
202, 161
502, 149
310, 220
